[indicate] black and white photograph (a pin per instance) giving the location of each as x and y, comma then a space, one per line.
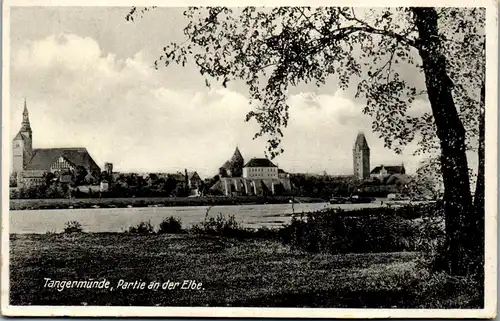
287, 160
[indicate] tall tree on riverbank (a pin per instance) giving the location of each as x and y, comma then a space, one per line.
272, 49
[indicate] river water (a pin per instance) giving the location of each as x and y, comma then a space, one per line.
120, 219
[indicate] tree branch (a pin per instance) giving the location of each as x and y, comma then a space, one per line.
370, 29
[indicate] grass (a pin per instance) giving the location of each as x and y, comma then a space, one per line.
33, 204
320, 259
234, 272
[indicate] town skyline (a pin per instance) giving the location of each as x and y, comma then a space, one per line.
181, 169
89, 82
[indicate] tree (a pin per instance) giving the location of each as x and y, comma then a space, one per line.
13, 180
49, 178
79, 175
273, 49
427, 181
170, 184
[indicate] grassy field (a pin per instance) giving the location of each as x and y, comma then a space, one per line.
33, 204
252, 272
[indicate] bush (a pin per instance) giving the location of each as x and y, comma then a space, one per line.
73, 227
220, 226
170, 225
338, 231
143, 228
14, 193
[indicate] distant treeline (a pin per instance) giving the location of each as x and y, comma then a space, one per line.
121, 185
325, 186
174, 185
64, 203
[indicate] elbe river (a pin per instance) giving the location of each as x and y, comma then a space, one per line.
120, 219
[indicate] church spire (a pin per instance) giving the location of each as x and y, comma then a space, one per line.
237, 158
25, 125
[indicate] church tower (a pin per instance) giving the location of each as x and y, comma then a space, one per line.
236, 163
22, 145
361, 157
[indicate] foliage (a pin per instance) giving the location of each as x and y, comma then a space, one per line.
57, 190
410, 228
208, 183
155, 185
79, 175
170, 225
29, 192
427, 180
273, 49
220, 225
73, 227
325, 186
143, 228
13, 180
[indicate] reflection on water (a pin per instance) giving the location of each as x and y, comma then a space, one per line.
119, 219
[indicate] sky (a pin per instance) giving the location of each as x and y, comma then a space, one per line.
88, 78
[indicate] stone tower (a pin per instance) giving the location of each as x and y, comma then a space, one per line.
22, 145
361, 157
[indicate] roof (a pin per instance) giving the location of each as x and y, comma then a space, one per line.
20, 136
192, 174
361, 141
398, 178
43, 158
226, 165
178, 176
400, 169
237, 158
260, 162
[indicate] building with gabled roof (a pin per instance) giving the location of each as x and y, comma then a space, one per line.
260, 168
30, 165
53, 159
259, 176
382, 171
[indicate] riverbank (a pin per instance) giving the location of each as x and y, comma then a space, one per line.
36, 204
233, 272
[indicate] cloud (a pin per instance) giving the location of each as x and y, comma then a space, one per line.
322, 132
124, 112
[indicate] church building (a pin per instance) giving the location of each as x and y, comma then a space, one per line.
259, 176
30, 165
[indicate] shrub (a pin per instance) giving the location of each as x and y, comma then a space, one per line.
338, 231
170, 225
13, 193
73, 227
219, 225
143, 228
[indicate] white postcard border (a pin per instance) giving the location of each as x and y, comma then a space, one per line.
490, 306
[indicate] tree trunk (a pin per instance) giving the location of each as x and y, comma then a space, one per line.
479, 193
459, 217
